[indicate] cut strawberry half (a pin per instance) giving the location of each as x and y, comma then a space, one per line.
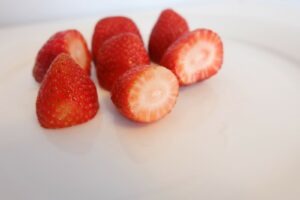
145, 93
70, 42
109, 27
195, 56
67, 95
169, 26
117, 55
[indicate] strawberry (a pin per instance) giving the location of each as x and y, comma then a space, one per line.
111, 26
145, 93
67, 95
69, 41
195, 56
169, 26
117, 55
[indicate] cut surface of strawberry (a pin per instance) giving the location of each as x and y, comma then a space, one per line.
67, 95
169, 26
78, 51
70, 42
195, 56
145, 93
109, 27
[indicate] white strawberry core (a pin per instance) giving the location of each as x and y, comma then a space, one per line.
195, 60
153, 94
77, 51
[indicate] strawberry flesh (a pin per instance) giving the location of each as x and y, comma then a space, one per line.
145, 93
195, 56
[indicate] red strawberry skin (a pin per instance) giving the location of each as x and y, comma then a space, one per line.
132, 89
195, 56
67, 95
169, 26
111, 26
117, 55
120, 91
69, 41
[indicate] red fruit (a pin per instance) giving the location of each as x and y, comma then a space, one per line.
117, 55
69, 41
169, 26
145, 93
67, 95
111, 26
195, 56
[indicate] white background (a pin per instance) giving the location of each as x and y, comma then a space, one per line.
15, 12
239, 141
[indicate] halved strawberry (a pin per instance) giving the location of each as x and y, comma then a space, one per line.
70, 42
145, 93
111, 26
117, 55
169, 26
195, 56
67, 95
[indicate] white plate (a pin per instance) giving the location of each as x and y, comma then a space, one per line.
235, 136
